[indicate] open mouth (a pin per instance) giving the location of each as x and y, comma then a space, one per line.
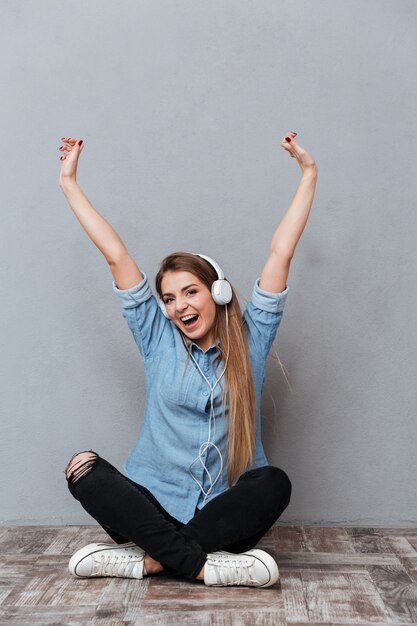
193, 321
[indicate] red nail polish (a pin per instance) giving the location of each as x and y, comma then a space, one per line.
80, 142
288, 138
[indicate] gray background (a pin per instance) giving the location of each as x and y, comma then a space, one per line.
182, 106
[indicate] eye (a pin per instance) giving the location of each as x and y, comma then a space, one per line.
168, 300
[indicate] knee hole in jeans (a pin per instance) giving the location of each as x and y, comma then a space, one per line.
78, 467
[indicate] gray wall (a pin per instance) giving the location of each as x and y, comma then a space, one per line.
182, 106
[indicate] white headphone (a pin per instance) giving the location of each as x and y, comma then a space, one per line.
221, 292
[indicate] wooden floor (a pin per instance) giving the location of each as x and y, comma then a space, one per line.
328, 575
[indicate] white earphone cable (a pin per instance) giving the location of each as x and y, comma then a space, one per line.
212, 416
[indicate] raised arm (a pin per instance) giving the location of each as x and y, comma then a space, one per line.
125, 271
284, 241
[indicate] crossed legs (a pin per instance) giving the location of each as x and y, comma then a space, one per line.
233, 521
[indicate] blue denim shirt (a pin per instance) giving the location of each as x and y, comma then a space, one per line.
177, 409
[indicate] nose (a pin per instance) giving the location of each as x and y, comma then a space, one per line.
181, 306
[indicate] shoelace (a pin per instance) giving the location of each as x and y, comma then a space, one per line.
114, 564
234, 571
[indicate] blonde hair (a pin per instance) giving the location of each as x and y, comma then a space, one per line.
239, 390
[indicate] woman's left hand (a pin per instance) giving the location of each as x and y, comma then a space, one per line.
304, 159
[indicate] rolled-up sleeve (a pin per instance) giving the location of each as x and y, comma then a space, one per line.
263, 315
134, 296
143, 315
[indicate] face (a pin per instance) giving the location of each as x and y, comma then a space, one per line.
184, 294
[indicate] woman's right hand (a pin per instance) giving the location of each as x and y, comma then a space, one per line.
71, 151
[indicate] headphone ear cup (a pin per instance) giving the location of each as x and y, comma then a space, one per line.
221, 291
162, 307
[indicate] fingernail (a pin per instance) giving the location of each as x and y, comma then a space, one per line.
62, 138
60, 158
288, 138
293, 132
80, 142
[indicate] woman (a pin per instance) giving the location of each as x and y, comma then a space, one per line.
197, 497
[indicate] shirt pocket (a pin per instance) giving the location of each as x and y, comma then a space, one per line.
171, 381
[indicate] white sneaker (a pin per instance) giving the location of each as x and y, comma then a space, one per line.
124, 560
253, 568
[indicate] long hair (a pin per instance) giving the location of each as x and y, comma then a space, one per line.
239, 390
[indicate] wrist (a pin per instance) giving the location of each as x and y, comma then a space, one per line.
67, 183
310, 170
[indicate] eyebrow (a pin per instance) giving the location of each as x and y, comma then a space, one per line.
183, 289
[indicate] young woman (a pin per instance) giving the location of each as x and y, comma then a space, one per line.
197, 496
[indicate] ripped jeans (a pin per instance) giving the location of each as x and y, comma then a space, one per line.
233, 521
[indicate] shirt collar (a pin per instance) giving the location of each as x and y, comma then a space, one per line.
196, 346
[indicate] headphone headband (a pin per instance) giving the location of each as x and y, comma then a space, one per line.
213, 263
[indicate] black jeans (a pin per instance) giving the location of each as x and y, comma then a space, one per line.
234, 521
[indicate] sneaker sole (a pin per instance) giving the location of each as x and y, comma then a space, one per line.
83, 553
